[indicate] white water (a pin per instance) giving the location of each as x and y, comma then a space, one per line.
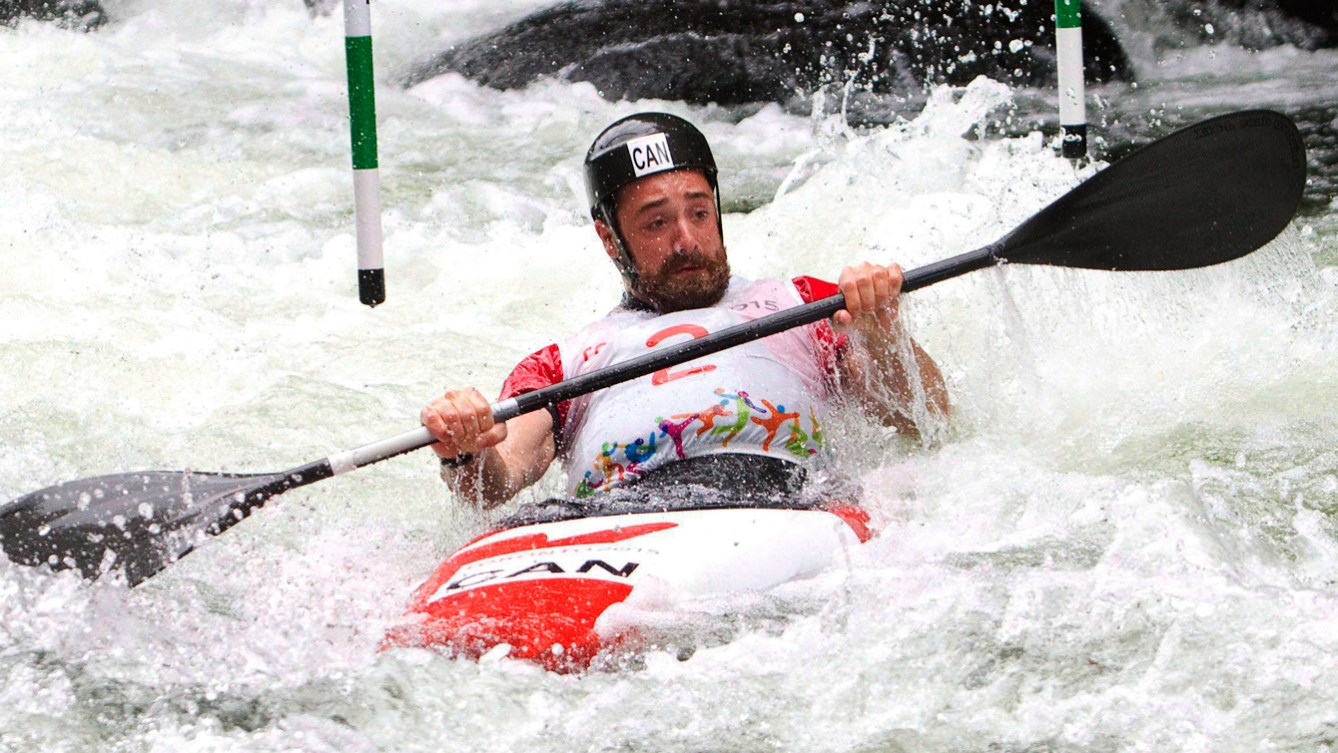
1126, 541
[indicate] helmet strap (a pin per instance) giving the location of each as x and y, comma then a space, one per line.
626, 267
719, 216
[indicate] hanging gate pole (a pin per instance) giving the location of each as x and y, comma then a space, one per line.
362, 128
1072, 98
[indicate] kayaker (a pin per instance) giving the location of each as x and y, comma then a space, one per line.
745, 422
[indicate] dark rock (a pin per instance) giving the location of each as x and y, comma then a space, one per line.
1259, 24
737, 51
80, 15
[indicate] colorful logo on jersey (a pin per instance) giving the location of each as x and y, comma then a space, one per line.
722, 422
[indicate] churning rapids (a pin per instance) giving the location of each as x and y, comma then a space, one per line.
1126, 541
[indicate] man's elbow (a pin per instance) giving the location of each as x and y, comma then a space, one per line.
934, 409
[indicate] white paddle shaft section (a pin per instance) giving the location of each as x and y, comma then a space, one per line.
386, 448
409, 441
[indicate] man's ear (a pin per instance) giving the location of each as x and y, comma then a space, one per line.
606, 237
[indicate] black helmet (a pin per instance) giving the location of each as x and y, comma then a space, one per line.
640, 145
634, 147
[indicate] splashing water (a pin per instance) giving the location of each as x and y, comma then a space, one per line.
1124, 541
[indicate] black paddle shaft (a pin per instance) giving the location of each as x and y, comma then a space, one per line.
1206, 194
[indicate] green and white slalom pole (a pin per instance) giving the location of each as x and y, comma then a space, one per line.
362, 128
1072, 98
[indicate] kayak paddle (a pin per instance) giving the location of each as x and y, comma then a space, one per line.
1206, 194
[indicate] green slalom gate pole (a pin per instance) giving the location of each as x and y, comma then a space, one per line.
1072, 98
362, 129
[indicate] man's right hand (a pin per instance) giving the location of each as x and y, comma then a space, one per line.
461, 420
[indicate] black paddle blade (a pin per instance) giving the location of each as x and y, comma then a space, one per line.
1206, 194
136, 523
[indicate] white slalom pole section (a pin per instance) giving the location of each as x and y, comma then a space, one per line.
1072, 97
362, 131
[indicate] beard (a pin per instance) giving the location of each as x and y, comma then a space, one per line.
669, 291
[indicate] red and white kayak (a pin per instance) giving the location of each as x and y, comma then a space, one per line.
547, 591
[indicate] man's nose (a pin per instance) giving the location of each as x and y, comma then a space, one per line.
685, 236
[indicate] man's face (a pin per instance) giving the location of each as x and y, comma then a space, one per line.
668, 221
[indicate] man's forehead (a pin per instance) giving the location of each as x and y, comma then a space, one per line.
653, 189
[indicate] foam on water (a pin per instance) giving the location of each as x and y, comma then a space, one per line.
1125, 539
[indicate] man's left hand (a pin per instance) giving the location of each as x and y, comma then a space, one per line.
873, 295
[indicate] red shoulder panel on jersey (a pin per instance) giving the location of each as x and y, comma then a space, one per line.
539, 369
831, 345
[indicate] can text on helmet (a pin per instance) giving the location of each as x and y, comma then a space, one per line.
650, 154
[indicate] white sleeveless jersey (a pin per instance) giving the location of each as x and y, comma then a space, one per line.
765, 397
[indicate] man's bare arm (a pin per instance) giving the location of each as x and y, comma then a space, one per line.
887, 371
493, 461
